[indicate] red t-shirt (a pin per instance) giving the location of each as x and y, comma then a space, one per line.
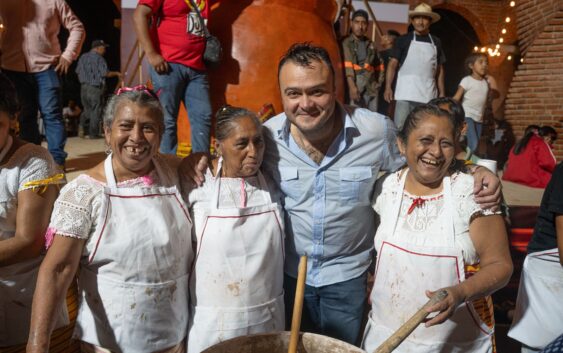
176, 32
533, 166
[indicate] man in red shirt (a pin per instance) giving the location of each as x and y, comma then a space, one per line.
172, 36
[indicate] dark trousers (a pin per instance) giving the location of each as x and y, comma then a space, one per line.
92, 101
335, 310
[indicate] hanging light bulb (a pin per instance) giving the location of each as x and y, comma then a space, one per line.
522, 60
507, 19
497, 46
512, 3
509, 57
483, 49
503, 31
476, 48
501, 40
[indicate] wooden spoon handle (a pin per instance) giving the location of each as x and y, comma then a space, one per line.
408, 327
298, 305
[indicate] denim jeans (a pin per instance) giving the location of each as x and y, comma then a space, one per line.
473, 133
183, 83
41, 91
336, 310
91, 97
402, 110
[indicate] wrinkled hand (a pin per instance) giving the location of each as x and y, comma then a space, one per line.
445, 307
388, 95
354, 93
62, 66
158, 63
487, 189
193, 168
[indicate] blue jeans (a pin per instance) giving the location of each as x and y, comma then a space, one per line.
41, 91
402, 111
473, 133
185, 84
336, 310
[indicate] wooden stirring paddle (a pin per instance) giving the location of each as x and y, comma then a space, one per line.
298, 305
408, 327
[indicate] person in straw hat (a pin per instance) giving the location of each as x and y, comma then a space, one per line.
418, 58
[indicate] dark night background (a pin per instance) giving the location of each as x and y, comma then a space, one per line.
99, 19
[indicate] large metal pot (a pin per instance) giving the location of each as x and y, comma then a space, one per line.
278, 342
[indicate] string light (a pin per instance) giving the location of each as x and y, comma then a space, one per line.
522, 60
476, 48
509, 57
497, 46
483, 49
503, 31
512, 3
501, 40
507, 20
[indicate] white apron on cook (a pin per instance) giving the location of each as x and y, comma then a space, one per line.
538, 318
134, 285
236, 285
17, 281
404, 271
416, 80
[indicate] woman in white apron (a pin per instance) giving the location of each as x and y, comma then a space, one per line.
538, 318
28, 189
236, 284
126, 227
432, 236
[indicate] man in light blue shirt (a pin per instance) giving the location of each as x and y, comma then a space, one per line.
326, 158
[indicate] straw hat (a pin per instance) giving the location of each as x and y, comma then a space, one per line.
424, 10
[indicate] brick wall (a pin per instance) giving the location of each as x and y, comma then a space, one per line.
533, 16
535, 94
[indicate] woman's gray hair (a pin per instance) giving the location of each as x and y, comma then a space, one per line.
226, 120
143, 98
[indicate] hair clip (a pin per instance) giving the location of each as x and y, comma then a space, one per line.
138, 88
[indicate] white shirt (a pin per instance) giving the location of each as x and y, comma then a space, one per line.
474, 97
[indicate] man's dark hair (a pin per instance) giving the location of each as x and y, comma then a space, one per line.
392, 32
303, 54
361, 13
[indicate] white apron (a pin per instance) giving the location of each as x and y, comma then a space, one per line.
416, 81
134, 285
236, 285
538, 318
404, 271
17, 283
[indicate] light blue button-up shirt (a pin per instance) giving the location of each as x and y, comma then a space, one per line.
328, 213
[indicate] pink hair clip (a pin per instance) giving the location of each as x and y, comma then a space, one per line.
141, 88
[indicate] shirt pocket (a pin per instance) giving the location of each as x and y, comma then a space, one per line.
355, 181
290, 183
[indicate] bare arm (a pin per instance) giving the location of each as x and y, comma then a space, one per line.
32, 219
489, 237
559, 231
440, 83
458, 94
55, 275
389, 77
141, 18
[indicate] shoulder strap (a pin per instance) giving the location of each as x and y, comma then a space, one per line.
196, 8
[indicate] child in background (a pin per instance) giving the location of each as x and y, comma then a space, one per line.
472, 92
